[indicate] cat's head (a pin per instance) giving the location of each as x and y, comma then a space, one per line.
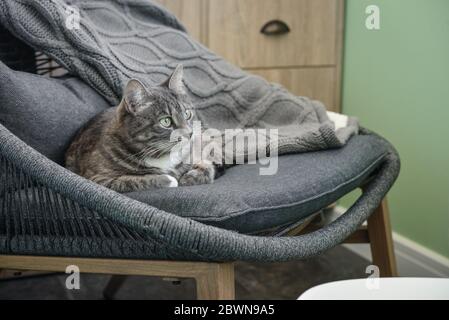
149, 116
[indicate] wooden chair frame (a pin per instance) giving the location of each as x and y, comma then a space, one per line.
214, 281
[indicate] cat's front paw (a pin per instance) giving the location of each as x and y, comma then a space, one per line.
171, 183
197, 176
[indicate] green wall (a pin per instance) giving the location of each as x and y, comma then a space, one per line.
396, 80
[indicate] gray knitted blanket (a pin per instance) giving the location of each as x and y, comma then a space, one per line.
115, 40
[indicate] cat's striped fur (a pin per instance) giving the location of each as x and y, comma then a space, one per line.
127, 148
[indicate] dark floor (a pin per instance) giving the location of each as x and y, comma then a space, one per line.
253, 281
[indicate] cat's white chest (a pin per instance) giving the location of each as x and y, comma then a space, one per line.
166, 162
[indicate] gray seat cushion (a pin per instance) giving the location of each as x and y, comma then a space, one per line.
247, 202
44, 112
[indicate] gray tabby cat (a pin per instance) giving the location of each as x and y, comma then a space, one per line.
127, 148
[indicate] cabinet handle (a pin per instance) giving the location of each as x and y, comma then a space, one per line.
275, 28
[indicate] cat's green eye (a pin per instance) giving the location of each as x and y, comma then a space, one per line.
166, 122
188, 114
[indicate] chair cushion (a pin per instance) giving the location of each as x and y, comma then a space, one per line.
247, 202
44, 112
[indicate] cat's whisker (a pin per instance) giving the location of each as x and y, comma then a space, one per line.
137, 154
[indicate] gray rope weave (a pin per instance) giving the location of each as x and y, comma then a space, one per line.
62, 213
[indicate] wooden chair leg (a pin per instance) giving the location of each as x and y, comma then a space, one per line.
214, 280
216, 283
114, 284
381, 241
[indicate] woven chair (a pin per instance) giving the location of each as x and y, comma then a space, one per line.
51, 218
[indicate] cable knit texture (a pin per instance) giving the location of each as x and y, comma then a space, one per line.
122, 39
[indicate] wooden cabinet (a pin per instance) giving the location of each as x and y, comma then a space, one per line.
235, 32
317, 83
300, 46
188, 12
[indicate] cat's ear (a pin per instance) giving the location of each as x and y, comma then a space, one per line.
133, 96
175, 80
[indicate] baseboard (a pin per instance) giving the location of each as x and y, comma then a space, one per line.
413, 259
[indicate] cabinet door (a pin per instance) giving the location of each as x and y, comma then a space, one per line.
314, 83
235, 32
189, 12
